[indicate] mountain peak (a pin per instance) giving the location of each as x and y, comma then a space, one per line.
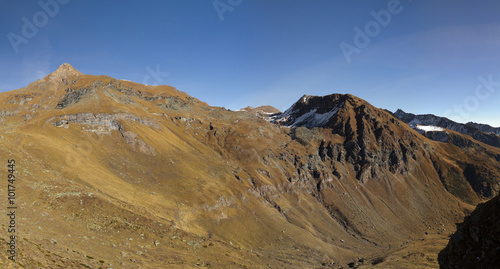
304, 98
315, 111
66, 69
62, 73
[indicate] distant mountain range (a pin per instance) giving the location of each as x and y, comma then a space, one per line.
261, 111
480, 132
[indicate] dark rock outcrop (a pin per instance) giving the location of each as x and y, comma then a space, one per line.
72, 96
476, 244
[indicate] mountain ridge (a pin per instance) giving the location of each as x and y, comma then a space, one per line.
488, 136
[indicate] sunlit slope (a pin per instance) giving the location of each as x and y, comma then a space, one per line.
115, 172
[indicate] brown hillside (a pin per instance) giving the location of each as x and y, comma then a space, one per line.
118, 174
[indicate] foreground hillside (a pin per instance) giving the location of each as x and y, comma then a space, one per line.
117, 174
476, 244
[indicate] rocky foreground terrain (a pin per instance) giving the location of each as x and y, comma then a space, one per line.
115, 174
476, 243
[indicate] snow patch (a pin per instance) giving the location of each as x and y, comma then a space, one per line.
304, 98
430, 128
313, 119
426, 128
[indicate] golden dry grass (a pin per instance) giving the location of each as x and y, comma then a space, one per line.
207, 187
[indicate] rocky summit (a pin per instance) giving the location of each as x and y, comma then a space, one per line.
116, 174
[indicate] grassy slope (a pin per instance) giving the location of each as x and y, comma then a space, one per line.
87, 197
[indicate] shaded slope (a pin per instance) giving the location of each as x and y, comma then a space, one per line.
476, 242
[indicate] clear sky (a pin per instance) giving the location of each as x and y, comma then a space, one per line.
439, 57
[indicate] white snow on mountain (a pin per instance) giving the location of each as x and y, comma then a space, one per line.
310, 119
313, 119
429, 128
426, 128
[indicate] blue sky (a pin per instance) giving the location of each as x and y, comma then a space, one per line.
439, 57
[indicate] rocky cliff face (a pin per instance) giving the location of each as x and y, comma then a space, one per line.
476, 243
370, 141
374, 142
